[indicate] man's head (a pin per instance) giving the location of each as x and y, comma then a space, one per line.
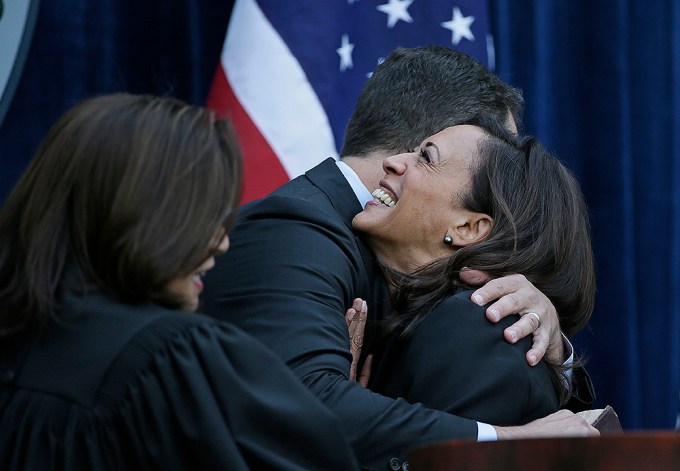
417, 92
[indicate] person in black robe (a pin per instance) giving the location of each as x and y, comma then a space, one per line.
103, 243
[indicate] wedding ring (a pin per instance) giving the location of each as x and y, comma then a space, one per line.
538, 319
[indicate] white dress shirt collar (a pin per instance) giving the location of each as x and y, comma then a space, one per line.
360, 191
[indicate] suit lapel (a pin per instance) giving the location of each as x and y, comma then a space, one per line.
329, 179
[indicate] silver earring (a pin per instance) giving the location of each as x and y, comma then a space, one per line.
448, 240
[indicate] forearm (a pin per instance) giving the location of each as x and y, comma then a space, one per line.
563, 423
380, 428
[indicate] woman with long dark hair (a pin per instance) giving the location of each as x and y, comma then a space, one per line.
103, 242
476, 196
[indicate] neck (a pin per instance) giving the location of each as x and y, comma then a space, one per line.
368, 168
406, 259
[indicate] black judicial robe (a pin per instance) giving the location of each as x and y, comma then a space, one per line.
113, 386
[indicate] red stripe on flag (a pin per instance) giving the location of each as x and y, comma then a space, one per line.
263, 171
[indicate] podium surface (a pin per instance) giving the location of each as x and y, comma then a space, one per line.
656, 451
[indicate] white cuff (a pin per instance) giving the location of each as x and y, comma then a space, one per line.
486, 433
569, 361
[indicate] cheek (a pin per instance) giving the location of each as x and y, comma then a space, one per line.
178, 286
427, 217
406, 223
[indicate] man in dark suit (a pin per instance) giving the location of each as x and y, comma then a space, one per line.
295, 265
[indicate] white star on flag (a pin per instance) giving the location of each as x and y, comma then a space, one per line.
345, 53
396, 10
459, 26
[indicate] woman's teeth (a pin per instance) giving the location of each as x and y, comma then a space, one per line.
384, 198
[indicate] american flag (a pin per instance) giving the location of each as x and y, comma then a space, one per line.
291, 71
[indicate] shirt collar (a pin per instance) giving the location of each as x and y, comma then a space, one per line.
360, 191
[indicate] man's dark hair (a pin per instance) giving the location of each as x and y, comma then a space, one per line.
124, 194
417, 92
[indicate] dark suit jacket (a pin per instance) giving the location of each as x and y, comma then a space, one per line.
118, 387
293, 268
459, 362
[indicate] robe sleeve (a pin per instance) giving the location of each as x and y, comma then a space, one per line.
214, 398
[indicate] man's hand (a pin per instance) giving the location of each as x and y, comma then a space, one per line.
562, 423
355, 317
514, 294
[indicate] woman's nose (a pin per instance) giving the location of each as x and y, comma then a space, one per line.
396, 163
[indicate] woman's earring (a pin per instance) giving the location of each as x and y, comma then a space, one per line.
448, 240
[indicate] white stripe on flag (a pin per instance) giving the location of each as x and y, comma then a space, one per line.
273, 89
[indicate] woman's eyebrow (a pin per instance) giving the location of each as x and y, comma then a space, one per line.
432, 144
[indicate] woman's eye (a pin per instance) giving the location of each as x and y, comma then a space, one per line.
425, 156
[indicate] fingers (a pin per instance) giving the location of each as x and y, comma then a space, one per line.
351, 312
571, 424
498, 288
357, 322
357, 325
514, 294
537, 352
526, 325
474, 277
353, 370
366, 371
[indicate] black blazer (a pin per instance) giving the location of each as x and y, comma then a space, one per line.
118, 387
459, 362
293, 268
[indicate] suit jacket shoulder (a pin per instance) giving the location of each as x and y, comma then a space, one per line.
323, 188
459, 362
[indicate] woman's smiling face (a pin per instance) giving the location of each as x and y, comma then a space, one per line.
419, 199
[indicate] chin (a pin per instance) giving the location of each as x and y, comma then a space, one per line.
364, 222
189, 305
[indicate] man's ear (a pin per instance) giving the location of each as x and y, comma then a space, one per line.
471, 228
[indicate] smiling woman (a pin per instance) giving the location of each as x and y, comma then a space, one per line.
481, 197
102, 244
408, 234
